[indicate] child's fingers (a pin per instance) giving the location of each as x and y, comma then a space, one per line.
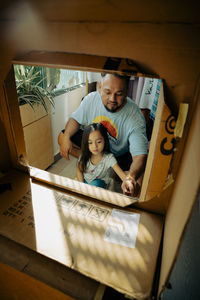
128, 187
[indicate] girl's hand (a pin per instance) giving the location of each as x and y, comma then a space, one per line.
130, 186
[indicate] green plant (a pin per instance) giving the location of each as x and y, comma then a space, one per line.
31, 86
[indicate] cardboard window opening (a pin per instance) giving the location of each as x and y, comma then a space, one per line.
97, 255
162, 140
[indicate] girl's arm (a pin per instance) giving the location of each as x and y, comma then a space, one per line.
79, 173
119, 171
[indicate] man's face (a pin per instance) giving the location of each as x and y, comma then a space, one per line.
113, 92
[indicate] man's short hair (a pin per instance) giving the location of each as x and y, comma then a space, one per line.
125, 77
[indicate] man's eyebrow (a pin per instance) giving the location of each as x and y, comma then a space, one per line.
107, 89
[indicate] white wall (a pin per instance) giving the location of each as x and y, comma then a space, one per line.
64, 105
93, 76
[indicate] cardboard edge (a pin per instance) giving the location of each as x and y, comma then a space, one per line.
151, 158
194, 189
98, 63
81, 188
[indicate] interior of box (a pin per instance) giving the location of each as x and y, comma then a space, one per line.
62, 200
164, 43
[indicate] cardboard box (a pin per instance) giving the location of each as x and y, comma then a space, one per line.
116, 247
130, 271
80, 233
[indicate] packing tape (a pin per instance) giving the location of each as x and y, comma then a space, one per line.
180, 123
169, 181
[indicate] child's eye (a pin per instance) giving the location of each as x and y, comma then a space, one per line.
89, 143
99, 142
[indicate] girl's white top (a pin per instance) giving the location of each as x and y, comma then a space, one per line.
101, 170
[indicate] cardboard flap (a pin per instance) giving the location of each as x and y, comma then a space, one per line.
160, 152
183, 199
78, 61
116, 247
82, 188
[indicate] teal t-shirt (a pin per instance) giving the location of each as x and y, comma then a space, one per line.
126, 128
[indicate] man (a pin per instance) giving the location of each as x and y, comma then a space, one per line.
124, 122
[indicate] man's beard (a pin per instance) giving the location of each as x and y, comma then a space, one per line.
112, 110
115, 109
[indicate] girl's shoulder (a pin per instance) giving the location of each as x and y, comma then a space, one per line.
108, 155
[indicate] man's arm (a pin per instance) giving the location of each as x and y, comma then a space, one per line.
130, 184
64, 141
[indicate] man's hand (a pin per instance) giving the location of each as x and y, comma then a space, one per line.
64, 138
130, 186
65, 145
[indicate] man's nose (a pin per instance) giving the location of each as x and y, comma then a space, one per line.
112, 98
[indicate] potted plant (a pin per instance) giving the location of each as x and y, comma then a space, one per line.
35, 99
30, 87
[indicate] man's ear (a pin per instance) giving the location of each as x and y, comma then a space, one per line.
99, 86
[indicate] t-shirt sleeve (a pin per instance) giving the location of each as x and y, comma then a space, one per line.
81, 113
138, 143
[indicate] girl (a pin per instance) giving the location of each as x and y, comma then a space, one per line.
95, 159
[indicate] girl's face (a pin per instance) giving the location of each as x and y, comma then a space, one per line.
96, 142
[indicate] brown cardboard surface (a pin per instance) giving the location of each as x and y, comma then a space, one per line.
39, 144
82, 188
164, 43
183, 199
168, 12
48, 271
12, 120
17, 285
160, 152
29, 116
77, 61
182, 116
71, 231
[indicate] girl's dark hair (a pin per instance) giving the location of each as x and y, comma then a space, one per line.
85, 152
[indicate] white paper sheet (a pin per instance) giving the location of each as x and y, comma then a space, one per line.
122, 228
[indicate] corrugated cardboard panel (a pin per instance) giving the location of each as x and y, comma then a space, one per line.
45, 270
17, 285
76, 233
182, 200
39, 144
82, 188
12, 120
169, 12
77, 61
160, 152
28, 115
118, 11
